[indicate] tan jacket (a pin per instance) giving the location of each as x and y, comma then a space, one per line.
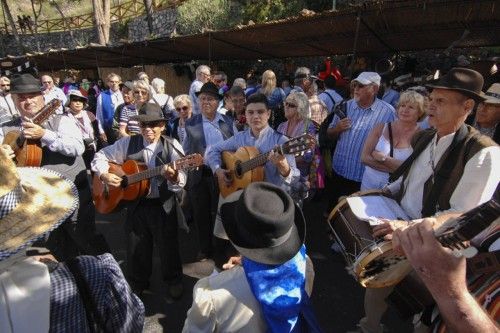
225, 303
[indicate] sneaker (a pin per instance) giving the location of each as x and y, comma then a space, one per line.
176, 290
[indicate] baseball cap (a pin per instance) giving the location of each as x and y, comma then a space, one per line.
368, 78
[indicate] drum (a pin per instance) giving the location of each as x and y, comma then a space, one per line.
371, 261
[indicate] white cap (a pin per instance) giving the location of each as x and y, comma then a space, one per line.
368, 78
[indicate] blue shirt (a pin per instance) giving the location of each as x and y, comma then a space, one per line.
330, 98
391, 96
346, 160
211, 130
267, 140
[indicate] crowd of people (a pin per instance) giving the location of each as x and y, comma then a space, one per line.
433, 148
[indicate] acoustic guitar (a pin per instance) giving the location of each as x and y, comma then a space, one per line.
246, 164
135, 181
29, 151
374, 269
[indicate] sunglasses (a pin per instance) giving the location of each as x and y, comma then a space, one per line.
46, 82
140, 92
184, 108
358, 85
290, 105
151, 124
81, 100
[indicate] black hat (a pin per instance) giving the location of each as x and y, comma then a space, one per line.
464, 80
149, 112
210, 88
24, 84
263, 223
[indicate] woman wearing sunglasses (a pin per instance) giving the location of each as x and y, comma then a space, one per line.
141, 92
183, 106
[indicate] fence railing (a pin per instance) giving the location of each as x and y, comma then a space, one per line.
118, 13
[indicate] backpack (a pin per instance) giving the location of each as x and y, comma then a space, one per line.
324, 141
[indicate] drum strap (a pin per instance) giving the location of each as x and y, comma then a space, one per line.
391, 140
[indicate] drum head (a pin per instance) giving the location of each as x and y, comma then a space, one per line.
380, 267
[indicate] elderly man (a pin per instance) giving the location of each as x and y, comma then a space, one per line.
62, 149
269, 291
6, 101
303, 79
488, 114
51, 91
203, 131
107, 102
363, 112
149, 221
451, 170
202, 77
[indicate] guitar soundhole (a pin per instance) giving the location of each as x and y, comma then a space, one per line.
237, 169
124, 182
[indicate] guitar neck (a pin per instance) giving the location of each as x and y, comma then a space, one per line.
146, 174
468, 225
257, 160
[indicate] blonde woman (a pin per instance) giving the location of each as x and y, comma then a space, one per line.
388, 145
275, 96
142, 94
184, 108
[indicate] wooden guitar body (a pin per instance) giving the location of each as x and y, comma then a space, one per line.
107, 198
28, 152
232, 161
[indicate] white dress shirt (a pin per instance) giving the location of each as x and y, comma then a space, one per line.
477, 185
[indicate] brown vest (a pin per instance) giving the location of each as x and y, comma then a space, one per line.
450, 168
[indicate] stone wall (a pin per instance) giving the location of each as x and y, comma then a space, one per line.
163, 25
133, 31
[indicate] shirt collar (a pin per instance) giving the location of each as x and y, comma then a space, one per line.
261, 134
217, 118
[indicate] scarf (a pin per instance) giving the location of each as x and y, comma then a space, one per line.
280, 290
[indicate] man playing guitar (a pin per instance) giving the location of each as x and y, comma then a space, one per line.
279, 169
62, 148
151, 218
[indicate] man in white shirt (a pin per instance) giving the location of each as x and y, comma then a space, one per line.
6, 101
202, 77
50, 91
107, 102
451, 169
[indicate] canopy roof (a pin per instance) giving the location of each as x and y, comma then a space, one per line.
384, 27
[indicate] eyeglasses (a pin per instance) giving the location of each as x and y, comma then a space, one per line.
151, 124
290, 105
218, 80
184, 108
141, 92
5, 85
207, 99
46, 82
359, 85
78, 100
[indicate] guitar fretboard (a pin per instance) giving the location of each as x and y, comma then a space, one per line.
146, 174
254, 162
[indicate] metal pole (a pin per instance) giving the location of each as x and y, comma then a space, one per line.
334, 4
358, 21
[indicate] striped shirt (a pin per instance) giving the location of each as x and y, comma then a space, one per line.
127, 112
346, 161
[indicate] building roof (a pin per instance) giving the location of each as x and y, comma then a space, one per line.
384, 27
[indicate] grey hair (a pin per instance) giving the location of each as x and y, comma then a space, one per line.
302, 104
200, 69
182, 99
141, 84
301, 71
158, 85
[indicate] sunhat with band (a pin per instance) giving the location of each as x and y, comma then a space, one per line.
33, 202
76, 95
263, 223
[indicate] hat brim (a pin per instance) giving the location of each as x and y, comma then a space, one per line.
471, 94
145, 118
218, 96
27, 90
275, 255
47, 201
84, 103
490, 99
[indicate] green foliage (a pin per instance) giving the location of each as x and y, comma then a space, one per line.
195, 16
262, 11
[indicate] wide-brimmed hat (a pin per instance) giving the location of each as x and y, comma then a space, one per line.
263, 223
149, 112
211, 89
24, 84
73, 94
368, 78
492, 95
33, 202
463, 80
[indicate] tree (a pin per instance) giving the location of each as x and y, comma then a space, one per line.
196, 16
56, 5
102, 10
36, 14
148, 4
6, 10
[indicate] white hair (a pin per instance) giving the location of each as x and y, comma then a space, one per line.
158, 85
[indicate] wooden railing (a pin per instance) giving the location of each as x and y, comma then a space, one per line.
119, 13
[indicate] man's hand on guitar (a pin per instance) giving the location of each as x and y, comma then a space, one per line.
32, 131
103, 137
224, 176
280, 162
171, 174
111, 179
388, 227
7, 151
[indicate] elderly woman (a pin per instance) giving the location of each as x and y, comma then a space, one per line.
165, 101
299, 122
142, 94
184, 108
388, 145
85, 121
